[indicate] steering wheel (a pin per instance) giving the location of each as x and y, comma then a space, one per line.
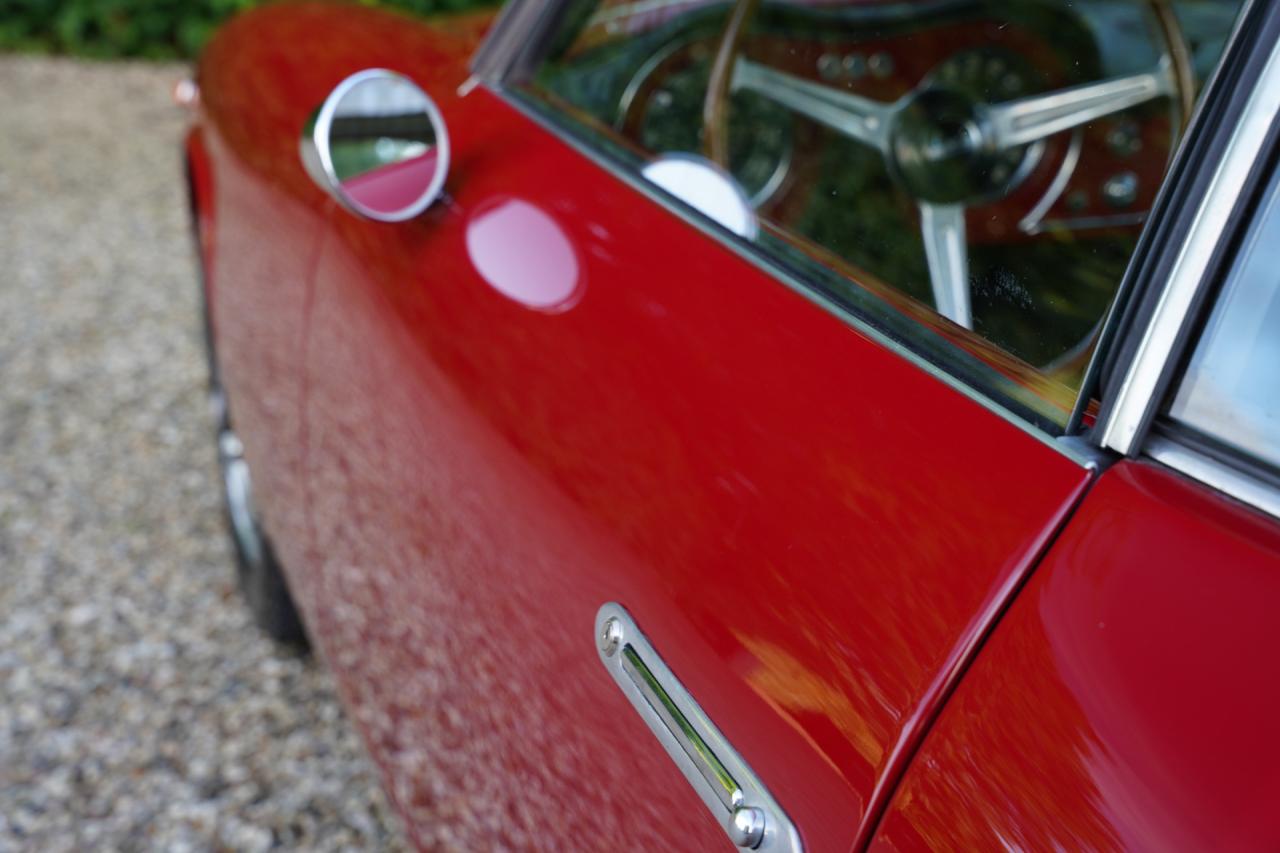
950, 150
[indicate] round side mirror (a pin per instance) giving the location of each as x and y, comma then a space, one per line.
379, 146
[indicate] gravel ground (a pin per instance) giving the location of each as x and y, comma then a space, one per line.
139, 709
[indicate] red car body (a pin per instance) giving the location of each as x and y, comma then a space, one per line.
923, 625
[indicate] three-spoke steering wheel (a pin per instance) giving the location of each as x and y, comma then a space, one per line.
942, 145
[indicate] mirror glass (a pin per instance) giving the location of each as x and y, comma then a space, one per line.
382, 145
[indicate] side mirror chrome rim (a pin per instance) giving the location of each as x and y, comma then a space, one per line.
317, 150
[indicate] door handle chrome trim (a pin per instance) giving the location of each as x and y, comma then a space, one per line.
716, 775
749, 815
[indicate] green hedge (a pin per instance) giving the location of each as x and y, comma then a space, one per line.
154, 29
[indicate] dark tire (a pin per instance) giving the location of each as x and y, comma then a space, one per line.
258, 572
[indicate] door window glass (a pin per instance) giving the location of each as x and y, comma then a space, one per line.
1231, 389
973, 173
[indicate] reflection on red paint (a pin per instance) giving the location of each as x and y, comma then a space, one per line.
1126, 701
395, 187
525, 255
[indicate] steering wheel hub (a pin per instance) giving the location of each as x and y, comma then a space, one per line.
941, 148
937, 148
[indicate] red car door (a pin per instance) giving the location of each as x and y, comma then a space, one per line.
1139, 663
561, 388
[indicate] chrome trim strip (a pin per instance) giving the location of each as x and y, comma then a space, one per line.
511, 33
1136, 402
845, 315
719, 775
1224, 478
1180, 156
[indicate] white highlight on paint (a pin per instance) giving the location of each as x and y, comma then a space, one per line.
525, 255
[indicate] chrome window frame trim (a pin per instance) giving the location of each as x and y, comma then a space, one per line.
1224, 478
1139, 395
509, 36
1161, 215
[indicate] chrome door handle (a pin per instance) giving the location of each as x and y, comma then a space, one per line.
750, 817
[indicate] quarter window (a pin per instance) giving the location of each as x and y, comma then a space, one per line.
1230, 392
970, 175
